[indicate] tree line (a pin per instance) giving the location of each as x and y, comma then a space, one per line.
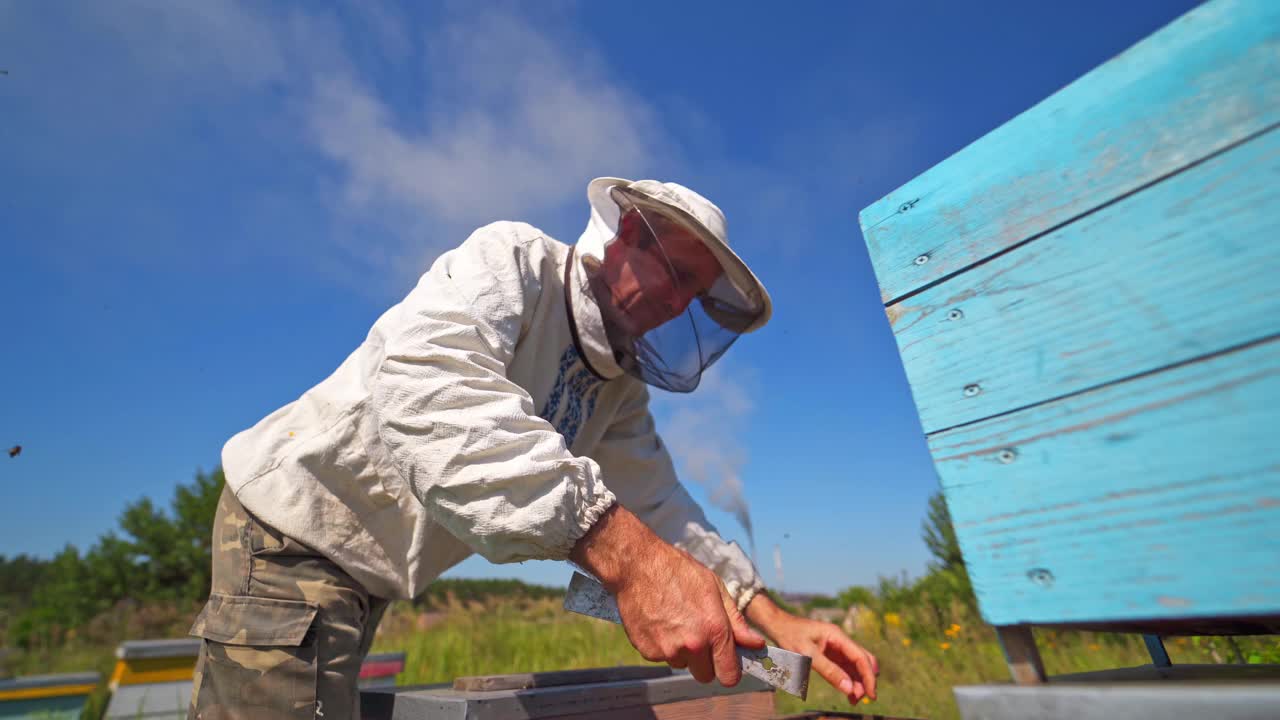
163, 555
154, 555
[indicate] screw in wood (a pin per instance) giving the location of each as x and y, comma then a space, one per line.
1040, 576
972, 390
1007, 455
956, 314
921, 259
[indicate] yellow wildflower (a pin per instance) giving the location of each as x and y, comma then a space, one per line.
893, 619
866, 701
1095, 647
945, 645
906, 642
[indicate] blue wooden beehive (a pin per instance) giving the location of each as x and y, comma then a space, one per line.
1087, 305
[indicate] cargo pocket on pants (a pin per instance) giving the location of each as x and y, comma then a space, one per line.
259, 659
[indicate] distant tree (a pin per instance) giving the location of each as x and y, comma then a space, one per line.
158, 556
857, 595
820, 601
193, 509
940, 535
174, 548
19, 574
61, 601
948, 579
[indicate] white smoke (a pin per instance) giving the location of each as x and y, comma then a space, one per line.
701, 435
777, 566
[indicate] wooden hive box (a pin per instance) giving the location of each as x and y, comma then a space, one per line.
152, 678
1087, 306
625, 693
46, 697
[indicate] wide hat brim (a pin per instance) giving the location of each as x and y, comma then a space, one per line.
739, 273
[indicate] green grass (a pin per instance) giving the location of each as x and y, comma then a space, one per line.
922, 657
919, 665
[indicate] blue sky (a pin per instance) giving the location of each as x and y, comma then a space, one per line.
204, 206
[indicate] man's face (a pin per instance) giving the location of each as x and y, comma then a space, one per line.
651, 283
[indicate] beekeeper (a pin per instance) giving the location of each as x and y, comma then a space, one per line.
502, 409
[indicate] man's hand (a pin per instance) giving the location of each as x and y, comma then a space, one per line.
839, 660
673, 608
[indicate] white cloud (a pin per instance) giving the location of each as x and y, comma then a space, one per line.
502, 117
517, 126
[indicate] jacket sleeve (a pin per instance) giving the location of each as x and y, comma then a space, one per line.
466, 439
639, 469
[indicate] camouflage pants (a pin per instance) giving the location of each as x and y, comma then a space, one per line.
285, 630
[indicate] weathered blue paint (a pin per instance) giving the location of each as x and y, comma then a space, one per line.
1156, 498
1208, 80
67, 695
1183, 269
1087, 303
54, 708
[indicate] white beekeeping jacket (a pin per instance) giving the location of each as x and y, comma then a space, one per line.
468, 421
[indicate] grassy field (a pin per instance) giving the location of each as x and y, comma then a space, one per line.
922, 656
918, 667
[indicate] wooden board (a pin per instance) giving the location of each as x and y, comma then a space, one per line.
596, 699
751, 706
1157, 498
1184, 269
524, 681
153, 700
53, 697
837, 715
1207, 81
1168, 627
1240, 695
140, 649
1177, 673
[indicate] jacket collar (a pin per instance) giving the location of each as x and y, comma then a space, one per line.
586, 322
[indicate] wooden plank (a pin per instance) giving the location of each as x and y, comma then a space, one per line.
837, 715
1204, 82
1113, 701
751, 706
524, 681
1021, 654
1168, 627
159, 700
1183, 269
138, 649
45, 686
1189, 673
602, 699
1154, 499
53, 697
51, 708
